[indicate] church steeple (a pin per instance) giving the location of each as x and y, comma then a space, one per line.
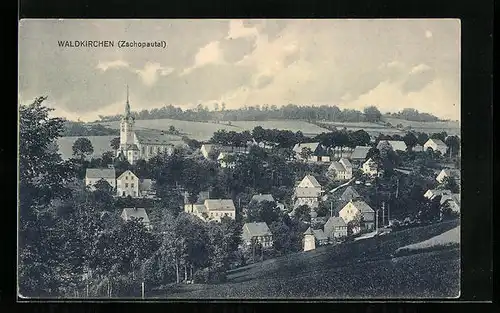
127, 106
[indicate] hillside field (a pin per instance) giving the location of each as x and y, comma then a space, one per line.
450, 127
358, 270
100, 144
203, 131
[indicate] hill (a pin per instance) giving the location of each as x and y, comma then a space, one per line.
450, 127
100, 144
360, 269
204, 130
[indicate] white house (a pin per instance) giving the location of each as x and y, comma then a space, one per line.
358, 207
432, 193
309, 240
257, 233
370, 167
451, 173
436, 145
318, 152
208, 149
93, 175
308, 192
219, 208
262, 197
340, 170
359, 154
335, 228
396, 145
417, 148
136, 213
453, 201
127, 184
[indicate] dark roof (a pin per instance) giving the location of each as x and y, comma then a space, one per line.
309, 231
257, 229
360, 152
362, 206
155, 137
319, 234
100, 173
146, 184
335, 221
349, 194
263, 197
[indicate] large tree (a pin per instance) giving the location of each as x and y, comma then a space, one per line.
372, 114
82, 148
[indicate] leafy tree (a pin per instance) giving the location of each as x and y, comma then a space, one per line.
303, 213
453, 143
441, 136
422, 138
449, 183
410, 140
115, 143
82, 148
372, 114
306, 153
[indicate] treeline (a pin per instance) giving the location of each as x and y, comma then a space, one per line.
413, 115
72, 128
257, 113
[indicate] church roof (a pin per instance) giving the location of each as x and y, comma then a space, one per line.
155, 138
100, 173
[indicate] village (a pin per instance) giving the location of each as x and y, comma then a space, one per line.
343, 170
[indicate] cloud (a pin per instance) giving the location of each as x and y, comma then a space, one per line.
234, 50
104, 66
419, 77
149, 74
237, 29
209, 54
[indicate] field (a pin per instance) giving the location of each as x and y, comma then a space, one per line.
204, 131
100, 144
450, 127
360, 269
450, 237
370, 128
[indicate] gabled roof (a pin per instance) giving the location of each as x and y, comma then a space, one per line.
349, 194
311, 145
437, 142
313, 180
453, 197
360, 152
362, 206
219, 205
309, 231
132, 146
345, 162
432, 193
451, 172
146, 184
336, 166
153, 137
263, 197
129, 213
106, 173
127, 172
335, 221
257, 229
319, 234
395, 144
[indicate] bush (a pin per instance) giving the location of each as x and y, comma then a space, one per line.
207, 276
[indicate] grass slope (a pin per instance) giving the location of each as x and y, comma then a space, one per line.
449, 238
362, 269
100, 144
450, 127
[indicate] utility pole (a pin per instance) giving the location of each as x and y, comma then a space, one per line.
142, 289
383, 213
331, 209
397, 188
376, 220
388, 213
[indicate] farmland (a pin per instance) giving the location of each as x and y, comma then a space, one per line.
203, 131
370, 128
100, 144
451, 127
361, 269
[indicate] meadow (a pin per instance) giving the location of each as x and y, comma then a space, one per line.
203, 131
100, 144
450, 127
360, 269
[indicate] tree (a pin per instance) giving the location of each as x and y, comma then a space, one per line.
449, 183
107, 157
115, 143
372, 114
410, 140
306, 153
303, 213
453, 143
82, 147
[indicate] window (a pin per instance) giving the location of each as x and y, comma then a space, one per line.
132, 185
126, 177
126, 185
151, 150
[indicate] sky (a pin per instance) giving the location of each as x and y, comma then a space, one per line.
392, 64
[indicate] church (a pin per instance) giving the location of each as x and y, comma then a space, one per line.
142, 144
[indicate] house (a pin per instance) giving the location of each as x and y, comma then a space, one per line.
335, 228
359, 154
200, 199
432, 193
257, 233
307, 192
396, 145
318, 152
452, 200
198, 210
263, 197
436, 145
358, 207
219, 208
340, 170
349, 194
93, 175
341, 152
309, 240
370, 167
214, 149
320, 237
136, 213
227, 160
127, 184
451, 173
417, 148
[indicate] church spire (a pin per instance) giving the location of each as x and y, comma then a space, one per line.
127, 106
